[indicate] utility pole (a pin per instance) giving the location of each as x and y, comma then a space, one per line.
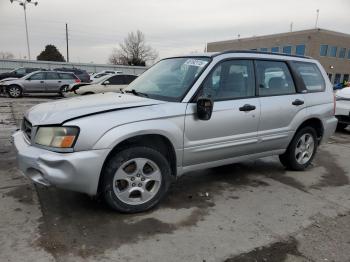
67, 42
317, 15
24, 4
291, 26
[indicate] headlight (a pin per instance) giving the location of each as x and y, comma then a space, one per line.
58, 137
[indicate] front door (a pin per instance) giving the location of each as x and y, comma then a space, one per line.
232, 129
35, 83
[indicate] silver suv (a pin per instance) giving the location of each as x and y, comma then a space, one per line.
39, 82
183, 114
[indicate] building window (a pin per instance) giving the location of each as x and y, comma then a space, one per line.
333, 51
323, 50
330, 77
287, 50
254, 49
349, 54
342, 52
337, 78
346, 78
263, 49
275, 49
300, 50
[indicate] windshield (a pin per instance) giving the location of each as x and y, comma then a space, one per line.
169, 79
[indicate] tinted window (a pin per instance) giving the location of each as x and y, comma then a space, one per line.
274, 78
342, 52
66, 76
311, 76
333, 51
116, 80
129, 78
230, 80
337, 78
300, 50
287, 50
275, 49
30, 70
346, 78
323, 50
38, 76
263, 49
51, 76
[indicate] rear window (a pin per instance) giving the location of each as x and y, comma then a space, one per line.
311, 76
67, 76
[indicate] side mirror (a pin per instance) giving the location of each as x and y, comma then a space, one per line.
204, 108
106, 83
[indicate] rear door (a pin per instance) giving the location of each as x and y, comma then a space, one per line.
35, 83
52, 82
232, 129
280, 103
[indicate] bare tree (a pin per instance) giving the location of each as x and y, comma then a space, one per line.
6, 55
133, 51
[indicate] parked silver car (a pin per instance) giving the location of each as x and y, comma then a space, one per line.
39, 82
183, 114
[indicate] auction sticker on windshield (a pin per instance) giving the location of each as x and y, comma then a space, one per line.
196, 62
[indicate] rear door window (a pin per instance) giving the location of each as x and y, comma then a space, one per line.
311, 76
52, 76
66, 76
129, 78
274, 78
116, 80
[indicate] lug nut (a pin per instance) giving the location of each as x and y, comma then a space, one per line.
143, 179
133, 184
138, 175
140, 185
133, 178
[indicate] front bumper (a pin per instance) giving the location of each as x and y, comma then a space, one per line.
77, 171
342, 111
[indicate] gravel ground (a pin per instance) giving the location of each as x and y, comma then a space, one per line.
251, 211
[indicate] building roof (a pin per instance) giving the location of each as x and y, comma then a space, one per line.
301, 32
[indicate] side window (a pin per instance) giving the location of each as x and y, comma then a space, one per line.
51, 76
66, 76
38, 76
230, 80
274, 78
311, 76
20, 71
129, 78
116, 80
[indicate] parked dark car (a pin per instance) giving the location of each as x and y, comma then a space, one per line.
18, 73
82, 74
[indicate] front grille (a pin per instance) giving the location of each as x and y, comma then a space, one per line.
27, 128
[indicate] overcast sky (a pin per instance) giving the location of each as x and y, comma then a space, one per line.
171, 26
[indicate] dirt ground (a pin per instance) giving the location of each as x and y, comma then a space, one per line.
251, 211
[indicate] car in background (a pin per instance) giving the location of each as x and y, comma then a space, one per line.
110, 83
342, 111
39, 82
98, 75
80, 73
18, 73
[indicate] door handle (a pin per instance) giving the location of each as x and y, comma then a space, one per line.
42, 82
247, 107
59, 81
297, 102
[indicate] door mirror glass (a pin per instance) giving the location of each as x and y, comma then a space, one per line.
204, 108
106, 82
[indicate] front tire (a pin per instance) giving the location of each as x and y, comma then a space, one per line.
135, 179
301, 150
14, 91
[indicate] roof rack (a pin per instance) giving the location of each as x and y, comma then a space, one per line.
260, 52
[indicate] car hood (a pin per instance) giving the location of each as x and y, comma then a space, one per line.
344, 93
5, 80
60, 111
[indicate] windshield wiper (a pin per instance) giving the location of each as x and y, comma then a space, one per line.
136, 93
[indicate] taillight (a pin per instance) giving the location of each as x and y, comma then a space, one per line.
77, 80
334, 103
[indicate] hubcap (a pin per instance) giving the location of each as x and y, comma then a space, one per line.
304, 149
14, 91
137, 181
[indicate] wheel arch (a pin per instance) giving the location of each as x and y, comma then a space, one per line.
158, 142
316, 123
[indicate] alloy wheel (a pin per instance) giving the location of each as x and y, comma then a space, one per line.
304, 148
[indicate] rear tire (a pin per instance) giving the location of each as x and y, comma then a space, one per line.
62, 90
14, 91
341, 126
135, 179
301, 150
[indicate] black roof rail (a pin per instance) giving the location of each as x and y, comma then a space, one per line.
259, 52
